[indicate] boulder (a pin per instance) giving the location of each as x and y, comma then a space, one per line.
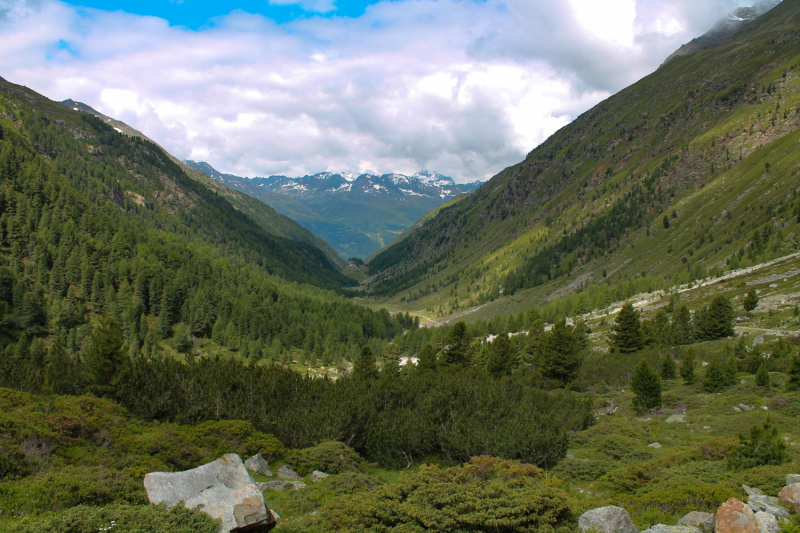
752, 491
286, 472
767, 523
791, 479
258, 465
654, 445
790, 495
222, 489
675, 418
661, 528
280, 485
745, 408
768, 504
609, 519
317, 476
704, 521
734, 516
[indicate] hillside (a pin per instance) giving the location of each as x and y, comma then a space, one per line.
688, 172
271, 221
358, 214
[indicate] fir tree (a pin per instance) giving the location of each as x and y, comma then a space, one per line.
750, 301
627, 329
364, 367
646, 386
762, 377
106, 361
687, 367
668, 367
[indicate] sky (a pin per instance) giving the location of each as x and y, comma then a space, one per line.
296, 87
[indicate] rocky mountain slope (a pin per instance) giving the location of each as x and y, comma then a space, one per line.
270, 220
687, 172
357, 214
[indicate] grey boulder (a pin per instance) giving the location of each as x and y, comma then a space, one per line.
791, 479
768, 504
767, 523
258, 465
286, 472
609, 519
317, 476
280, 485
661, 528
705, 521
222, 489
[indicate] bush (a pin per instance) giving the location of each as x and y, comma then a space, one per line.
330, 457
589, 470
763, 447
666, 505
769, 478
126, 519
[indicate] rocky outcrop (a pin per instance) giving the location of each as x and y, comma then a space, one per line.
609, 519
661, 528
734, 516
258, 465
286, 472
790, 495
222, 489
704, 521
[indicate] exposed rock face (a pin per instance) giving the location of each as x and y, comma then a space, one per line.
258, 465
222, 489
607, 519
734, 516
317, 476
661, 528
767, 523
704, 521
285, 472
791, 479
768, 504
790, 495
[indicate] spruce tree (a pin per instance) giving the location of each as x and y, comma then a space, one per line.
750, 301
427, 358
364, 367
762, 377
501, 357
559, 355
714, 380
456, 345
627, 329
793, 383
106, 361
668, 367
763, 447
687, 367
646, 385
681, 329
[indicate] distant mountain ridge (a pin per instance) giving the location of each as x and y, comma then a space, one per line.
358, 214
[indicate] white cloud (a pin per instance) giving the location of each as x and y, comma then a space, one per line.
316, 6
460, 86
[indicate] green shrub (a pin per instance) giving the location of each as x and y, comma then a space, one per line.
588, 470
667, 505
331, 457
762, 447
292, 503
125, 519
769, 478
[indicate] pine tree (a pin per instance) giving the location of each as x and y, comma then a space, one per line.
666, 222
750, 301
716, 321
762, 377
106, 361
793, 383
501, 357
668, 367
714, 380
687, 367
560, 356
456, 345
427, 358
364, 367
180, 339
627, 335
763, 447
646, 386
729, 369
681, 330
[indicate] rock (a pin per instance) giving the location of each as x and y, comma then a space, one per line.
768, 504
790, 495
704, 521
791, 479
258, 465
752, 492
222, 489
745, 408
767, 523
654, 445
676, 418
317, 476
736, 409
280, 485
765, 408
661, 528
570, 456
607, 519
734, 516
285, 472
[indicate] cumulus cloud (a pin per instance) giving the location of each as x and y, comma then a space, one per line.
465, 87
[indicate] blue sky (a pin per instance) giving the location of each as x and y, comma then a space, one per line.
196, 14
294, 87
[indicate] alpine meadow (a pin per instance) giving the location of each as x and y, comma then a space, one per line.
603, 337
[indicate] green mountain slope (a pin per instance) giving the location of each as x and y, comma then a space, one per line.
707, 141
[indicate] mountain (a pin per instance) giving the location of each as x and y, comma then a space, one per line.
270, 220
724, 28
358, 214
690, 171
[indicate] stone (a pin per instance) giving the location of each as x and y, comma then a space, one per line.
661, 528
676, 418
222, 489
791, 479
280, 485
752, 491
734, 516
317, 476
609, 519
704, 521
736, 409
767, 523
745, 408
768, 504
654, 445
790, 495
286, 472
258, 465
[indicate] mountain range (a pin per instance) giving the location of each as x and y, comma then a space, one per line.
356, 213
